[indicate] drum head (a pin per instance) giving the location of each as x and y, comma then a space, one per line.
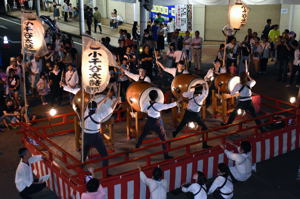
233, 82
145, 96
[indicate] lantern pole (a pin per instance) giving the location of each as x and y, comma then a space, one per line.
82, 101
24, 87
38, 7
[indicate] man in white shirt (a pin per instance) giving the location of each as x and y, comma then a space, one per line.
245, 99
196, 97
180, 68
222, 187
171, 29
187, 46
36, 66
92, 124
154, 121
24, 179
197, 42
242, 169
65, 8
158, 187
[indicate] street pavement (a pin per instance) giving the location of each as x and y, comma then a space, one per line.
274, 179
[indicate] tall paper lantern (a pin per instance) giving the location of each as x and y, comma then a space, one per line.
238, 15
32, 34
95, 66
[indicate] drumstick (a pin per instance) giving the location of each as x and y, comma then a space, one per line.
246, 66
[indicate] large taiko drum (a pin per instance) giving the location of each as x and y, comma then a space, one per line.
183, 83
226, 82
138, 93
77, 104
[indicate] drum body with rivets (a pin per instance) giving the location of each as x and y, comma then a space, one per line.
138, 93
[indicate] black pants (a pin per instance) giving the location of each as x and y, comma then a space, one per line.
96, 23
34, 188
244, 105
263, 64
65, 16
282, 65
94, 140
293, 73
156, 125
89, 25
190, 116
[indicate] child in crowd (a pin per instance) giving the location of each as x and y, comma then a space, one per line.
43, 88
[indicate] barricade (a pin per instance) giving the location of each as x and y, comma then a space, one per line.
68, 183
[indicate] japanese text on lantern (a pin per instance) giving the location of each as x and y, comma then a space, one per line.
28, 35
244, 15
95, 69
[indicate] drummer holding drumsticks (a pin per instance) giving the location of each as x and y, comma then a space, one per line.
244, 100
180, 68
196, 97
154, 121
137, 77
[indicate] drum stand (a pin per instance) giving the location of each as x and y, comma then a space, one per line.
222, 103
133, 128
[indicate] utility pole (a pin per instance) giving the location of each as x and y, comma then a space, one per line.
38, 7
81, 20
143, 22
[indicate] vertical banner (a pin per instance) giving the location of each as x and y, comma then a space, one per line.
183, 17
96, 59
190, 17
177, 17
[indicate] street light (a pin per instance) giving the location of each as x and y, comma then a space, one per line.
52, 112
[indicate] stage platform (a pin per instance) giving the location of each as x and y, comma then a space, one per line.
54, 137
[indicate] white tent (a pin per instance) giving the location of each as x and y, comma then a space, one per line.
223, 2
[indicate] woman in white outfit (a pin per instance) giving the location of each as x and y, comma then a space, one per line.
198, 189
158, 187
222, 187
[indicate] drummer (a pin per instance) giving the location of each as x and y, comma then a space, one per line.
180, 68
137, 77
210, 76
216, 70
245, 100
93, 116
196, 97
154, 121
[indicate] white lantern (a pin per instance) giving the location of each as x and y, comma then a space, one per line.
95, 66
32, 34
238, 15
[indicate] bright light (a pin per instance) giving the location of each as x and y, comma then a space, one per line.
192, 125
5, 40
293, 100
52, 112
239, 111
212, 78
141, 49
